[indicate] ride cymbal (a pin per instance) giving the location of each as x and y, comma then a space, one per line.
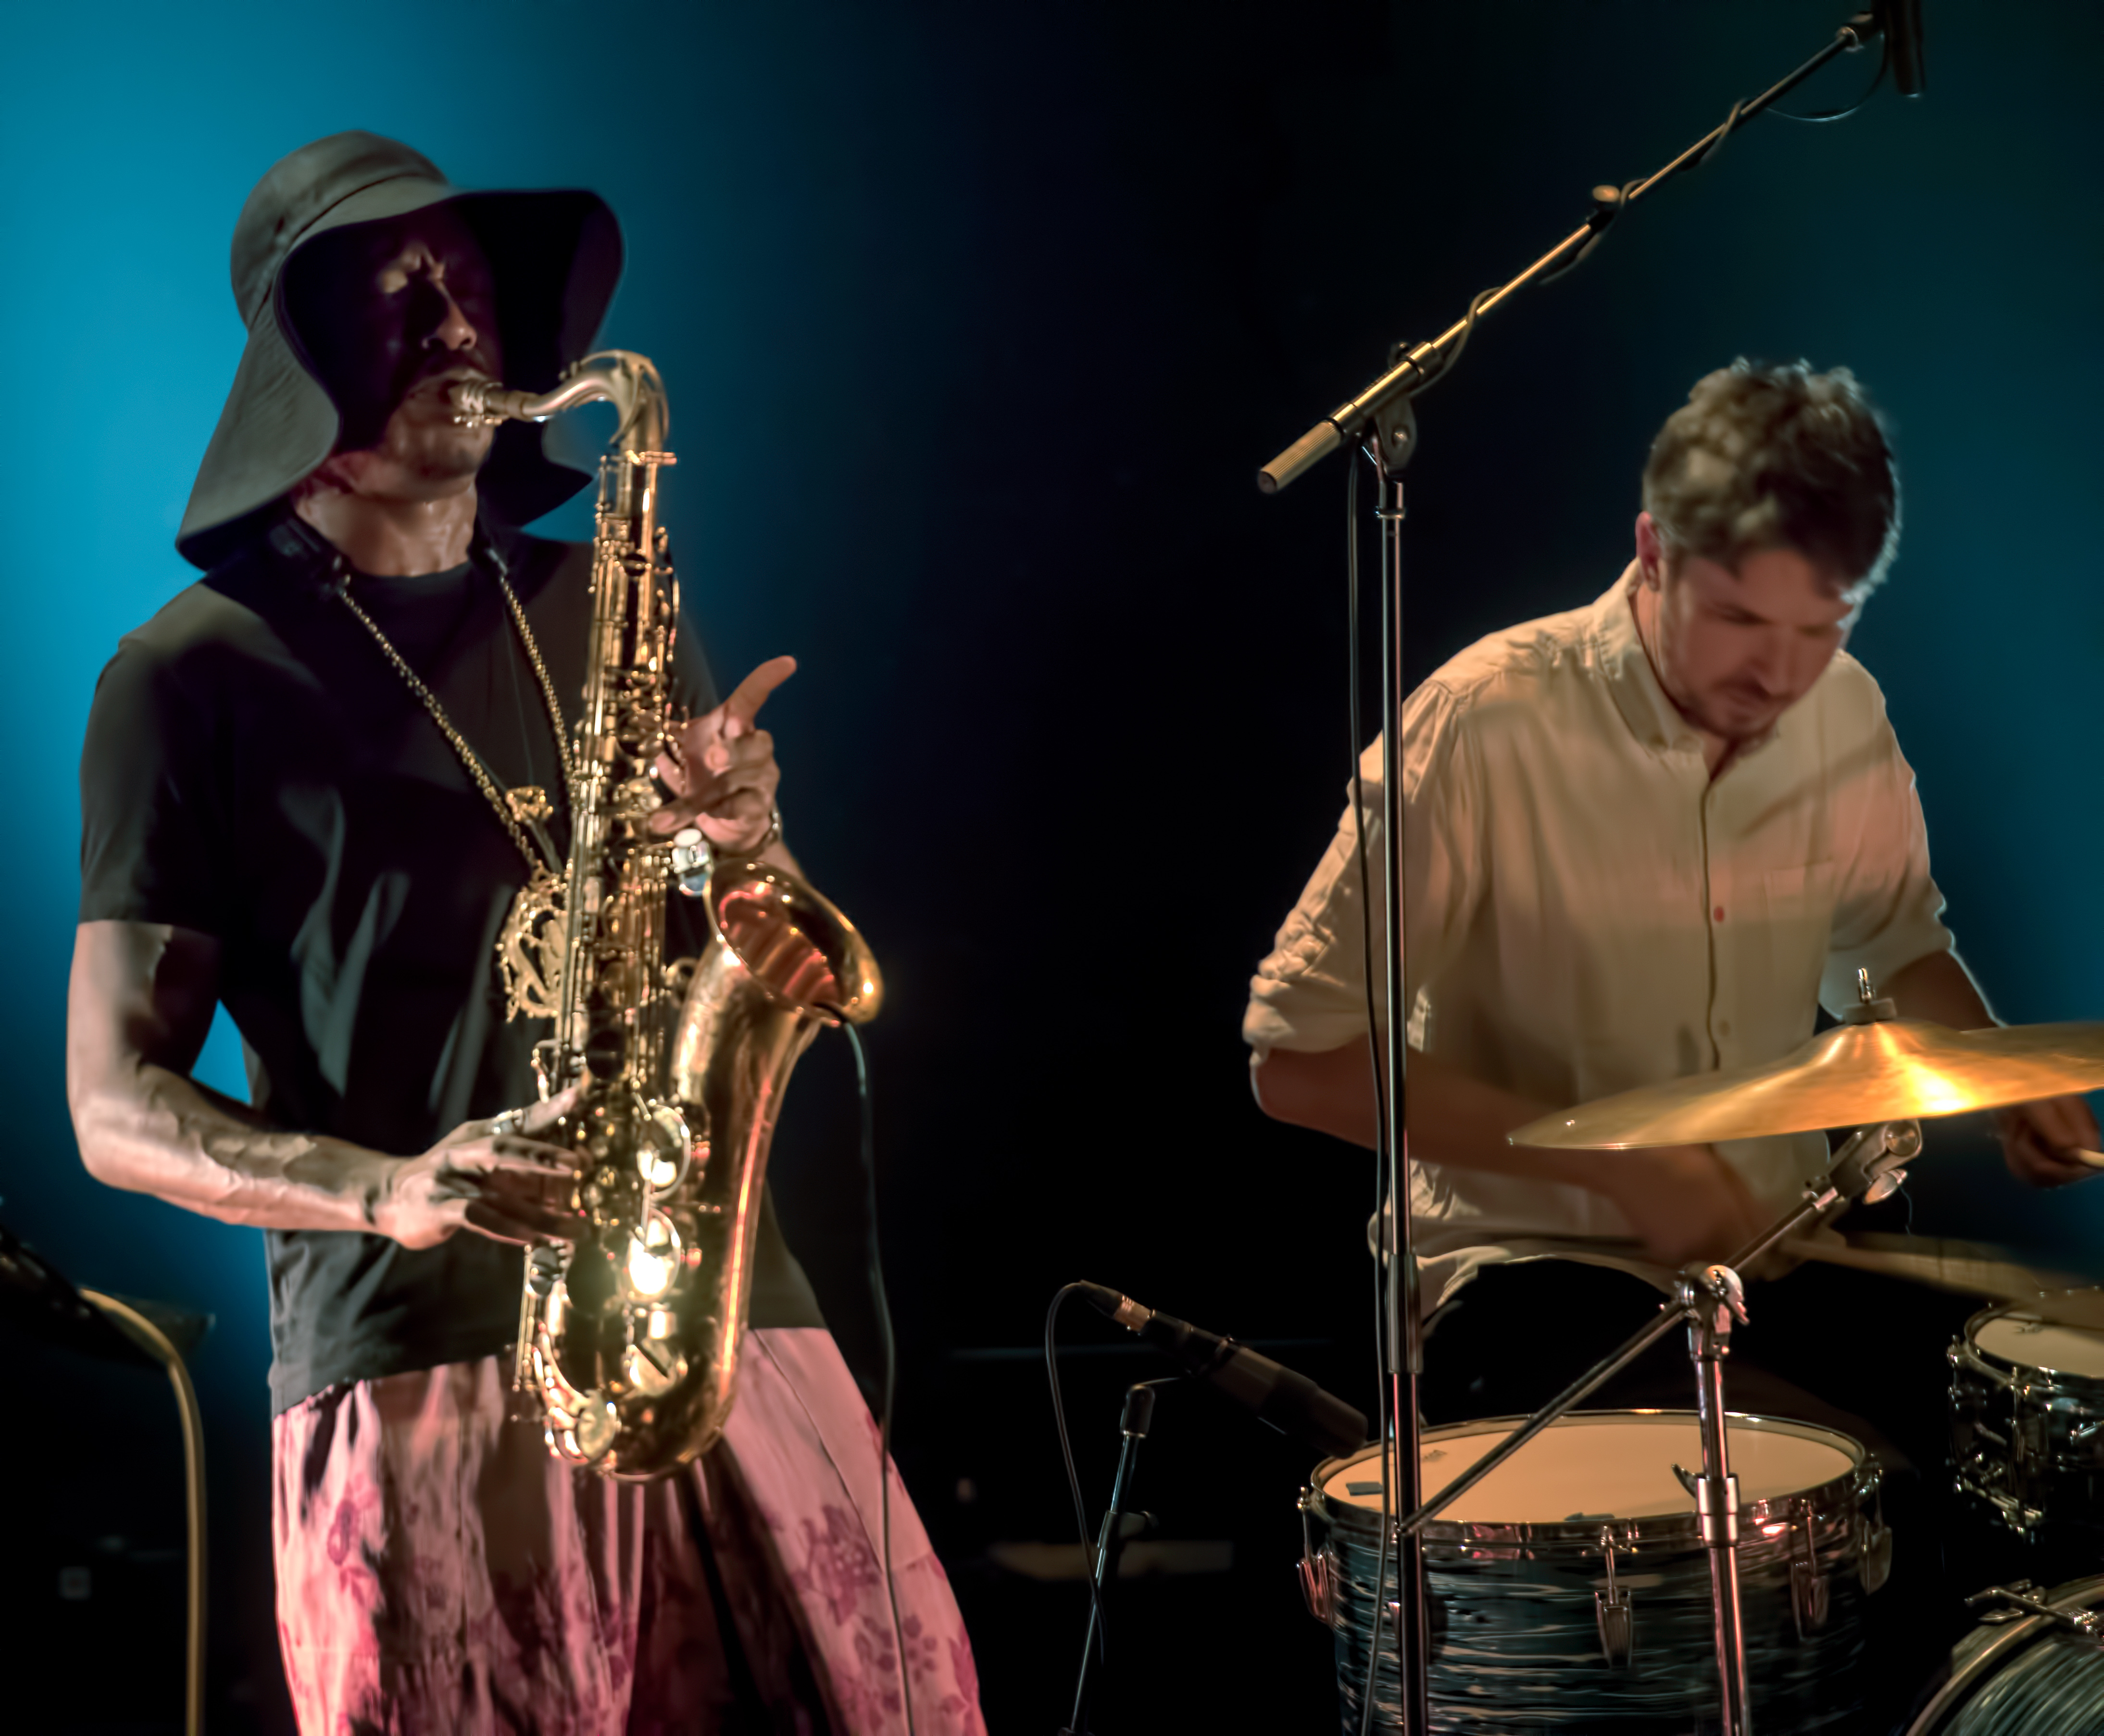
1855, 1074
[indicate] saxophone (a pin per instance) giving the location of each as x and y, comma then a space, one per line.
629, 1335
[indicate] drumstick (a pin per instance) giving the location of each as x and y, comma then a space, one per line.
1967, 1273
2094, 1159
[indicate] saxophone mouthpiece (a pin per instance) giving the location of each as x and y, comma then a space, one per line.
482, 404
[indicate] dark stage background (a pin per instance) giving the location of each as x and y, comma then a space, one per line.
977, 321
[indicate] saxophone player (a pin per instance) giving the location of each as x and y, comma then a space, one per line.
312, 785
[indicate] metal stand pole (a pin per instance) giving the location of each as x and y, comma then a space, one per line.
1709, 1309
1138, 1417
1393, 444
1869, 1165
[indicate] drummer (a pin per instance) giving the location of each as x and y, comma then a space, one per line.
1646, 838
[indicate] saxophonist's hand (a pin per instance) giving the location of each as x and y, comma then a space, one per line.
720, 767
491, 1176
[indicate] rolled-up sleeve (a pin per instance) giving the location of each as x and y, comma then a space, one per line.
1888, 911
1310, 992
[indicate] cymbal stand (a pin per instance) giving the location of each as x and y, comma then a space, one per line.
1870, 1165
1709, 1306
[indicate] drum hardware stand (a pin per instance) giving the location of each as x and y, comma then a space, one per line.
1137, 1418
1385, 407
1870, 1165
2022, 1599
1710, 1300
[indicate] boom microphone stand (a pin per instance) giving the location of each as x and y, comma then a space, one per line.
1382, 416
1134, 1422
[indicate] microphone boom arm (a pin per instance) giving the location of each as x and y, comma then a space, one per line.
1422, 363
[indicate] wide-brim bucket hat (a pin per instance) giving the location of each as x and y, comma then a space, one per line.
555, 258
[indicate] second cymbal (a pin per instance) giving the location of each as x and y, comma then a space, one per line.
1857, 1073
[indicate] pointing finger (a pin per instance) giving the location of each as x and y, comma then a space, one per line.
538, 1116
750, 693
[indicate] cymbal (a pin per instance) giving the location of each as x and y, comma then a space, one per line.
1880, 1069
2066, 1298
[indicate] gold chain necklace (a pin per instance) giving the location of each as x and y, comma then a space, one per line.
518, 809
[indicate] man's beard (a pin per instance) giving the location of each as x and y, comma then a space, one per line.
434, 451
1734, 714
420, 436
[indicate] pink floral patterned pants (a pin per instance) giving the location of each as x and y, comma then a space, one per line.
439, 1574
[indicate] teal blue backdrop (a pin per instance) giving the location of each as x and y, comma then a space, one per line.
976, 322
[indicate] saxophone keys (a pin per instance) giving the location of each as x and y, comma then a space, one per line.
636, 800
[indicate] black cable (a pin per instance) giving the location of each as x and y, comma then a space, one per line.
1869, 90
1384, 1230
1074, 1477
1468, 331
1732, 121
885, 1337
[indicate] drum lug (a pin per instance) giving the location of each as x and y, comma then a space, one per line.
1317, 1568
1317, 1588
1809, 1598
1874, 1545
1612, 1612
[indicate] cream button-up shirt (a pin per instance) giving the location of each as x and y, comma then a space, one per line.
1589, 912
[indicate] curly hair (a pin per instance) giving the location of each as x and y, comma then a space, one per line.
1778, 457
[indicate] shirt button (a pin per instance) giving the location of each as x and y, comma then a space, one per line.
1719, 913
1723, 1028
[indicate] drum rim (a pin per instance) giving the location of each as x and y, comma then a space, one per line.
1836, 1494
2004, 1310
2087, 1592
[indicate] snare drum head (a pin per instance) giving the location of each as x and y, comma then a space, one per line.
1604, 1465
2019, 1336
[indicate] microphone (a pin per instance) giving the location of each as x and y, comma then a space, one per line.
1901, 22
1291, 1403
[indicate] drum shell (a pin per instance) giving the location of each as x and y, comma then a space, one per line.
2026, 1440
1515, 1641
2026, 1677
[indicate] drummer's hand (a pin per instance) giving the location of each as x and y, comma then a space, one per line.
2038, 1140
1685, 1202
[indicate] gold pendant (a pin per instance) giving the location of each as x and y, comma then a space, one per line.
529, 949
529, 804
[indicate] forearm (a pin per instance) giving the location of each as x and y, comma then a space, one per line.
1454, 1118
139, 1005
1939, 988
153, 1131
777, 855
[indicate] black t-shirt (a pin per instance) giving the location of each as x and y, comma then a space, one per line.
256, 769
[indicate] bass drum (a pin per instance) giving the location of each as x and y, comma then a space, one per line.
2027, 1677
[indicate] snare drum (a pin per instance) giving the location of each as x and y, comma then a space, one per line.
1569, 1590
2025, 1676
2027, 1417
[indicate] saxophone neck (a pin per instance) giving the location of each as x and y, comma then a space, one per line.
621, 378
